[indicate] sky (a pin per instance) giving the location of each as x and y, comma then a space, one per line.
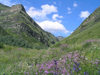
60, 17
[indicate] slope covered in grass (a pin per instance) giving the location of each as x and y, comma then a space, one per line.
19, 25
88, 30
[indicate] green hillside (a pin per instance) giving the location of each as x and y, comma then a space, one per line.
88, 30
2, 31
21, 27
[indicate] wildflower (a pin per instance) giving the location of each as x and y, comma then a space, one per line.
76, 67
36, 73
55, 62
69, 55
99, 72
71, 72
79, 68
49, 66
26, 73
64, 71
86, 58
41, 66
86, 73
46, 72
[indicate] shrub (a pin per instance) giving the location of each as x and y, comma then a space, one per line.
1, 45
87, 44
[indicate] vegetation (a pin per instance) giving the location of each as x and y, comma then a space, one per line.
1, 45
78, 54
21, 30
78, 59
89, 29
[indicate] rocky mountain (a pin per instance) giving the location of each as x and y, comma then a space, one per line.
21, 27
88, 30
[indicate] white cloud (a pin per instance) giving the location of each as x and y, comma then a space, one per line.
69, 10
84, 14
43, 12
53, 27
55, 16
7, 2
75, 5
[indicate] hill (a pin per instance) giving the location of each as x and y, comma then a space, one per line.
21, 27
88, 30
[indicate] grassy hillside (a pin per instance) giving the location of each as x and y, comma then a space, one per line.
3, 7
20, 26
88, 30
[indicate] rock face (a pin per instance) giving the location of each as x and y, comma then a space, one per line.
18, 24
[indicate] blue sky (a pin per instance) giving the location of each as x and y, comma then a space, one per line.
60, 17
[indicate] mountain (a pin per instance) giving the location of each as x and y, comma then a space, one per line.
60, 38
88, 30
21, 29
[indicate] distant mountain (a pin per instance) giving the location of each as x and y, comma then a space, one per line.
60, 38
89, 29
21, 29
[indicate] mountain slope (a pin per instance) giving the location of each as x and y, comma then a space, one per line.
2, 31
19, 25
89, 29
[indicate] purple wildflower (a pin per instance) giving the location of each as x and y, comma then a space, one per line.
86, 73
46, 72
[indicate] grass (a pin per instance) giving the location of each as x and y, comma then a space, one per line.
18, 61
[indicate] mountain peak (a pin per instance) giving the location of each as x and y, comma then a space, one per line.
19, 7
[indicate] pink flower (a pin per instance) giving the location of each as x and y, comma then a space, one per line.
64, 71
46, 72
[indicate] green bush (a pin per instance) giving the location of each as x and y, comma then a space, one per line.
19, 42
1, 45
87, 44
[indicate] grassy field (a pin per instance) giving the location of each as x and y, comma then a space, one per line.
79, 59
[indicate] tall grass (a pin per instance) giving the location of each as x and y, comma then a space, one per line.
79, 59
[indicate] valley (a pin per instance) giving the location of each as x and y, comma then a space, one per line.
27, 49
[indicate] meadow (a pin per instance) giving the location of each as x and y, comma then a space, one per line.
77, 59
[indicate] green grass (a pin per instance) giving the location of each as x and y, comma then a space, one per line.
16, 61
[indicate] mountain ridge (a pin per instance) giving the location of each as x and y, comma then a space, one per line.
89, 29
15, 21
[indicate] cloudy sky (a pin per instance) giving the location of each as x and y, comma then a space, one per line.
60, 17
